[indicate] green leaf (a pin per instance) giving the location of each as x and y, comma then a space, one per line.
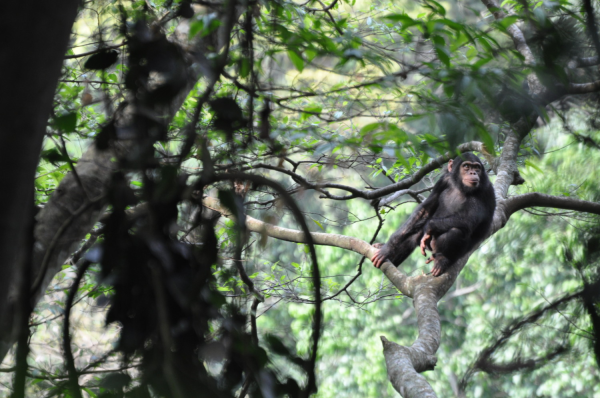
370, 128
507, 21
435, 7
481, 62
528, 163
244, 67
438, 40
310, 110
67, 123
404, 19
205, 26
54, 156
451, 24
319, 224
296, 60
313, 109
441, 53
487, 139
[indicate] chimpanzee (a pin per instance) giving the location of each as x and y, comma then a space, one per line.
450, 222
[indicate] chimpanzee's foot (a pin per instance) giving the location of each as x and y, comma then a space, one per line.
441, 264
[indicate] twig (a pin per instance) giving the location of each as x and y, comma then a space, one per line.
73, 383
94, 51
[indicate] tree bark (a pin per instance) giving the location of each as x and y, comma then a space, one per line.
34, 36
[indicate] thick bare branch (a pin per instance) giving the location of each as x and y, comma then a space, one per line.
401, 363
584, 62
507, 174
292, 235
536, 199
583, 88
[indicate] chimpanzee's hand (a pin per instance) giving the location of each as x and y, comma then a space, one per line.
379, 257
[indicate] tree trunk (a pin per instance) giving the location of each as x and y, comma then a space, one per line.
34, 37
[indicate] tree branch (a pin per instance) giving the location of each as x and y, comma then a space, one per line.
536, 199
584, 62
73, 383
583, 88
507, 174
94, 51
591, 24
292, 235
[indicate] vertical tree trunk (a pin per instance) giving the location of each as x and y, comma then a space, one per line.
34, 38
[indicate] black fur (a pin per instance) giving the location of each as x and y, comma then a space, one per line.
456, 216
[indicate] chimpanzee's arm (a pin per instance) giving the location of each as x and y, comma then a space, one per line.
408, 236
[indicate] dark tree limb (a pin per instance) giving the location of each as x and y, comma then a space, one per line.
26, 100
254, 333
536, 199
583, 88
584, 62
73, 382
94, 51
164, 329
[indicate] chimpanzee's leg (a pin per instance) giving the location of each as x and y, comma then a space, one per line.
397, 249
405, 248
447, 248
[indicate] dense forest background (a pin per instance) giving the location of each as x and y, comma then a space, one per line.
192, 188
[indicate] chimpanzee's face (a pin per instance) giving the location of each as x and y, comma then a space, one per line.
470, 174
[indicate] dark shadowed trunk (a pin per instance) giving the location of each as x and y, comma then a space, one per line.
34, 40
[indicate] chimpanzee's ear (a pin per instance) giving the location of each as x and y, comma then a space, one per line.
450, 165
